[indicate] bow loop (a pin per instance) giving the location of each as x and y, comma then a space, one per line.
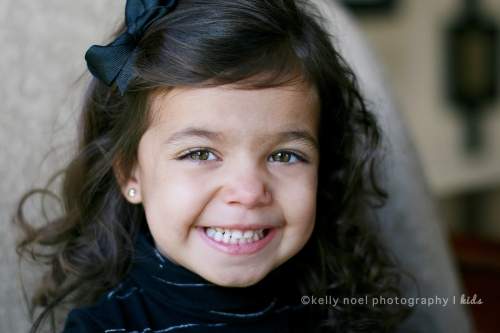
114, 62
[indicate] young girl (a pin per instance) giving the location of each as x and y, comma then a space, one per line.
222, 181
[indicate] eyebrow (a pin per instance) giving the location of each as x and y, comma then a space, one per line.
284, 136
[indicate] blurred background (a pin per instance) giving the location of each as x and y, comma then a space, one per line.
441, 60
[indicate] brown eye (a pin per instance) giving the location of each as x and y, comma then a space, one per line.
198, 155
286, 157
281, 157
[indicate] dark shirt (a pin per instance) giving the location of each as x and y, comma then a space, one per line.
158, 296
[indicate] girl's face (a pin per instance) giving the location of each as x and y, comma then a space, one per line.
228, 178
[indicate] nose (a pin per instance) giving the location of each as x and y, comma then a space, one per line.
248, 189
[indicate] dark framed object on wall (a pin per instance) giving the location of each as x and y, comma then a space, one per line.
369, 5
472, 57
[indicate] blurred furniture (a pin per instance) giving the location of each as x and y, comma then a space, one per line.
479, 263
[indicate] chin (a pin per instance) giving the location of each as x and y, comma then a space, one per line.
237, 279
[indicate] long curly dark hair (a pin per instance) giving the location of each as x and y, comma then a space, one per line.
254, 44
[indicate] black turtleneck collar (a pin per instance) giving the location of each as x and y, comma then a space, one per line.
271, 301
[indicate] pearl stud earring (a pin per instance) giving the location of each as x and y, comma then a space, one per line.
132, 192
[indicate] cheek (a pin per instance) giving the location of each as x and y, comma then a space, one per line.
174, 202
299, 201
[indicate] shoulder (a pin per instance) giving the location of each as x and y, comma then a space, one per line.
106, 316
115, 310
81, 321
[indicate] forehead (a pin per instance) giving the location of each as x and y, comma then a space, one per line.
229, 108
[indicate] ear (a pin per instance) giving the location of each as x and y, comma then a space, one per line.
130, 185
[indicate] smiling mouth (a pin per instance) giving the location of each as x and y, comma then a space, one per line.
236, 236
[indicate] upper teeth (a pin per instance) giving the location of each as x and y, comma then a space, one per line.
233, 236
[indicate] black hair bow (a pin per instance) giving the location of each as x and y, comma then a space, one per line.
114, 62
